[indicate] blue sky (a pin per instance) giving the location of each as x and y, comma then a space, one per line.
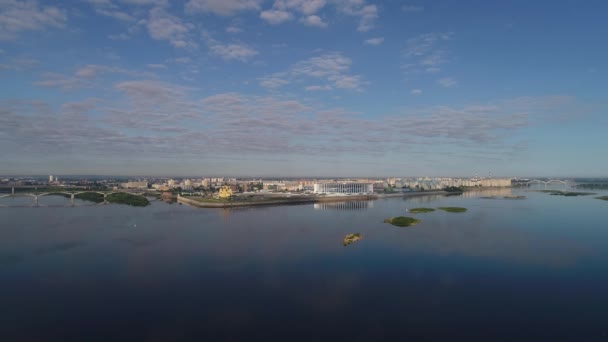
297, 88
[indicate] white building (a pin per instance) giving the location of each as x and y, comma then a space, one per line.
135, 185
50, 178
343, 188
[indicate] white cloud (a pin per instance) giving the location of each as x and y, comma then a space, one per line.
333, 68
358, 8
156, 66
374, 41
314, 20
17, 16
447, 82
306, 7
275, 17
425, 52
415, 92
164, 26
318, 88
240, 51
273, 82
222, 7
233, 29
120, 15
182, 60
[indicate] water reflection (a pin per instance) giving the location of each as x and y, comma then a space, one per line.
488, 193
424, 198
351, 205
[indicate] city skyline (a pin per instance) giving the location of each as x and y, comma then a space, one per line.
292, 88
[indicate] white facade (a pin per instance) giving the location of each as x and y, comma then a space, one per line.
343, 188
51, 178
135, 185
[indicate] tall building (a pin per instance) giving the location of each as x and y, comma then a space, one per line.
50, 178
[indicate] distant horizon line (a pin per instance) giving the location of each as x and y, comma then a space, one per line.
274, 176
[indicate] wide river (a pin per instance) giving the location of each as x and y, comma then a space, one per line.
533, 269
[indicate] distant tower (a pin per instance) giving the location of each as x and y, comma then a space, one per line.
50, 178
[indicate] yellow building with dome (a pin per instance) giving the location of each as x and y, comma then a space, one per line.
225, 192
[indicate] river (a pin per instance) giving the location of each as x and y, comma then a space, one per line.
531, 269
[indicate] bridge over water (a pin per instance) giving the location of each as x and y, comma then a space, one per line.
548, 181
36, 195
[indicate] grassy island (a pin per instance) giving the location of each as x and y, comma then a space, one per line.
351, 238
453, 209
514, 197
90, 196
603, 198
129, 199
566, 193
402, 221
420, 210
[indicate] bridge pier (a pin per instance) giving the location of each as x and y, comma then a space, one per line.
72, 199
35, 200
13, 191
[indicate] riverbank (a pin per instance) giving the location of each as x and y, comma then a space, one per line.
276, 200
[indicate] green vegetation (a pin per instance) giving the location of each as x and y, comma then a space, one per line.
90, 196
453, 189
566, 193
351, 238
420, 210
453, 209
402, 221
59, 194
514, 197
603, 198
129, 199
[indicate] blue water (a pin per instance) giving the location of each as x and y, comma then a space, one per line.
533, 269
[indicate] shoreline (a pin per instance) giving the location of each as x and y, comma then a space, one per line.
301, 200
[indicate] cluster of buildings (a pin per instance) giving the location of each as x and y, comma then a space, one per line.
427, 183
226, 187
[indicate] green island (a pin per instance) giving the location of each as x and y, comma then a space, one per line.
420, 210
453, 209
603, 198
402, 221
90, 196
453, 189
129, 199
514, 197
566, 193
351, 238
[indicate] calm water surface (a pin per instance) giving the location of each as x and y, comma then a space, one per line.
534, 269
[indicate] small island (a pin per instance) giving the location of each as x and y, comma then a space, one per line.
603, 198
351, 238
453, 209
129, 199
402, 221
90, 196
566, 193
420, 210
514, 197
